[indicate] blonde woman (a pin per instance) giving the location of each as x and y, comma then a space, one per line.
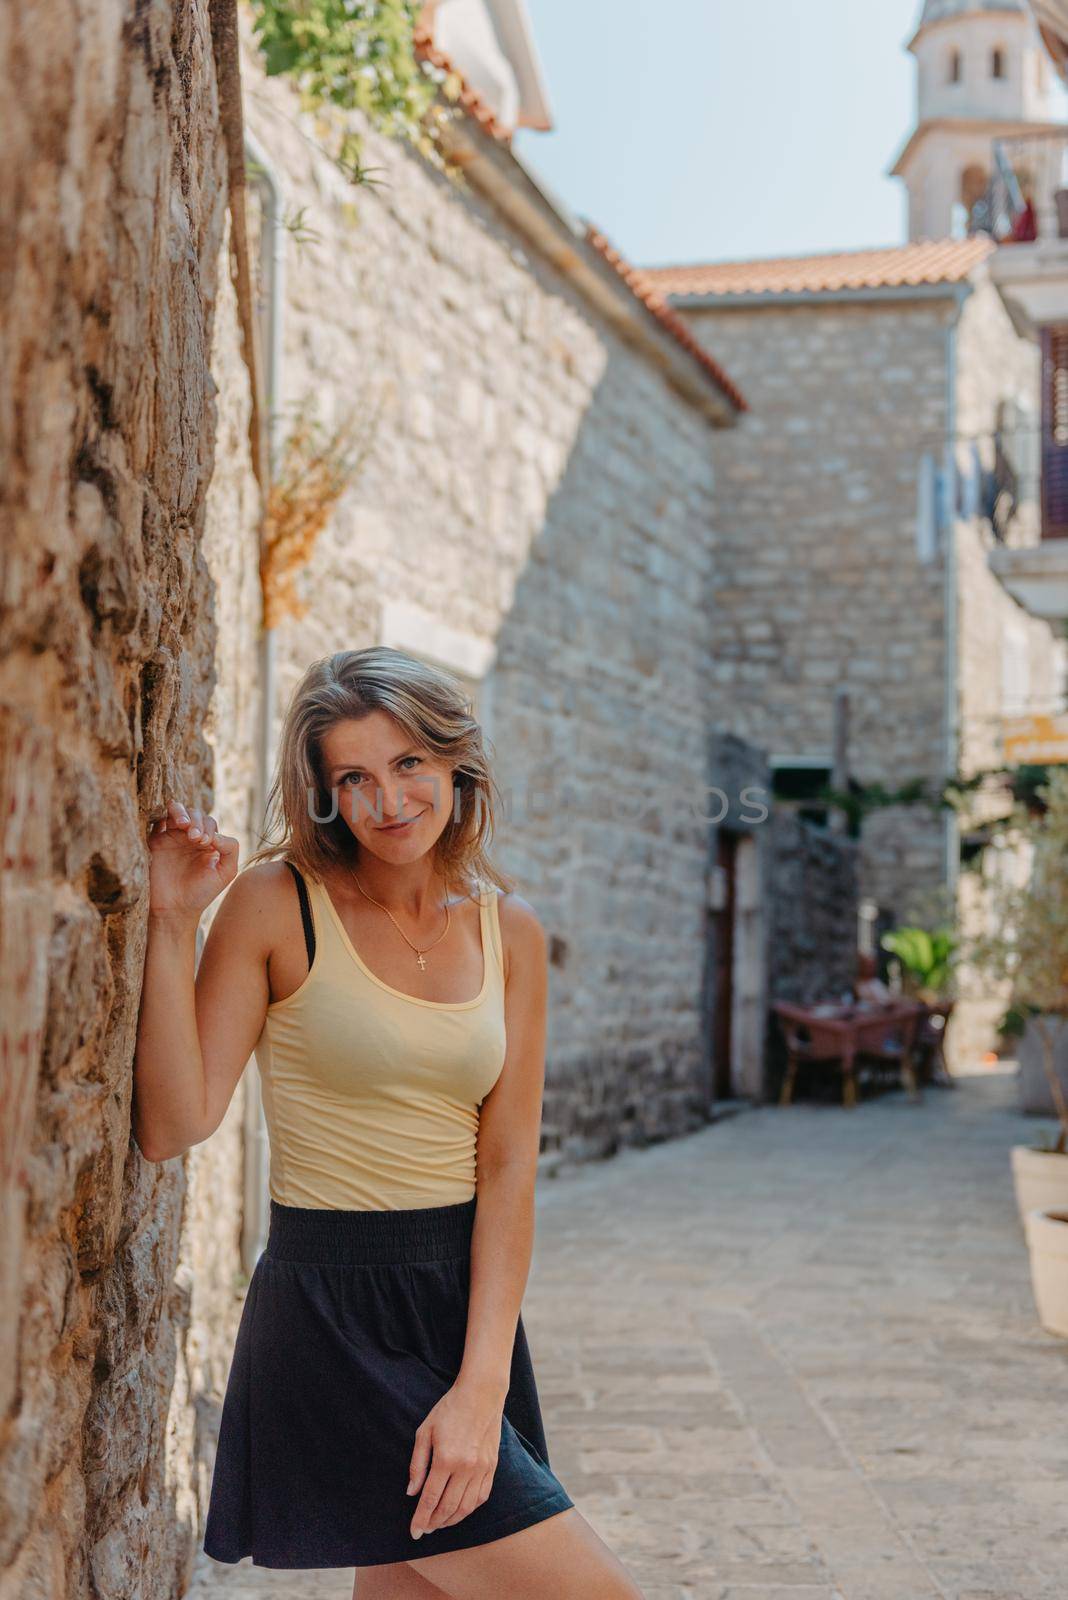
381, 1410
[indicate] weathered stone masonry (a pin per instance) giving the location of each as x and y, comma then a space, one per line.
819, 582
114, 231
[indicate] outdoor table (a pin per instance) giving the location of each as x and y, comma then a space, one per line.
844, 1032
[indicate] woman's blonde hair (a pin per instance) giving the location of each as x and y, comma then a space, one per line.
435, 713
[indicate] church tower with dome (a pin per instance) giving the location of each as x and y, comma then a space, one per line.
982, 74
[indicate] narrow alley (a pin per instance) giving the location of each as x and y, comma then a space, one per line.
794, 1356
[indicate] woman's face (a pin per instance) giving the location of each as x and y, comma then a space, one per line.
382, 778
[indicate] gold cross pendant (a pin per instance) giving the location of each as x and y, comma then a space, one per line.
420, 960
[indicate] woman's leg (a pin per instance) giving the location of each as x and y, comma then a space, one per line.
394, 1580
560, 1556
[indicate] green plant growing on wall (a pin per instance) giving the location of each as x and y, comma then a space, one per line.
356, 55
1022, 783
1027, 943
296, 225
926, 957
861, 798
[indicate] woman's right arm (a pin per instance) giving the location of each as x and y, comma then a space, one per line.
197, 1026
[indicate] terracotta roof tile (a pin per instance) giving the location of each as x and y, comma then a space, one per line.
654, 301
477, 109
471, 101
930, 261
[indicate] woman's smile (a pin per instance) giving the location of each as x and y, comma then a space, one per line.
399, 827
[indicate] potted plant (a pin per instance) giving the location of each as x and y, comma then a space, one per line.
925, 958
1036, 1079
1028, 947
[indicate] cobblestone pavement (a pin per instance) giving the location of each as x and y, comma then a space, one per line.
794, 1356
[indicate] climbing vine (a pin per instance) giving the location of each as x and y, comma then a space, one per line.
860, 799
1022, 784
357, 55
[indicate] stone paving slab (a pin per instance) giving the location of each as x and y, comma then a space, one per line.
794, 1356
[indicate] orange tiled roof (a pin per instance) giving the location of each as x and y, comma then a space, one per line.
654, 301
930, 261
481, 113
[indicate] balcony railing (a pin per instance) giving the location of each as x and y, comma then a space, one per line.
1027, 197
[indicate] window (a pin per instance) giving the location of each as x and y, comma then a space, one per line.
998, 67
1055, 431
798, 780
955, 69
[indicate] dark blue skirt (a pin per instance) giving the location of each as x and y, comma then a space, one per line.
353, 1327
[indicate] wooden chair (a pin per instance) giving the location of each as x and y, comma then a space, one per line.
812, 1037
890, 1035
931, 1044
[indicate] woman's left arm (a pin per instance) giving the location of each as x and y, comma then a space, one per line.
466, 1422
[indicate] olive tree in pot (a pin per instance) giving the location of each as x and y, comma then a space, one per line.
1028, 945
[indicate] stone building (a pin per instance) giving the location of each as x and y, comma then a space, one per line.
891, 448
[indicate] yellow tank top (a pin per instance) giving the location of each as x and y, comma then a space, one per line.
371, 1096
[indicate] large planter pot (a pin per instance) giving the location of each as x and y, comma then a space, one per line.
1047, 1241
1041, 1180
1035, 1093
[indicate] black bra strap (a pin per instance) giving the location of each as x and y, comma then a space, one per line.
305, 913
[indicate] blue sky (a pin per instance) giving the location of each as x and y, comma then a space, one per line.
702, 130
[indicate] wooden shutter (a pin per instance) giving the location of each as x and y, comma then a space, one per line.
1055, 432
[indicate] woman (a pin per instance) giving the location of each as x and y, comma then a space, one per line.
381, 1410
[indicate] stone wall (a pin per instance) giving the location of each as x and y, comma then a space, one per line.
812, 941
819, 580
536, 510
813, 936
114, 175
212, 1242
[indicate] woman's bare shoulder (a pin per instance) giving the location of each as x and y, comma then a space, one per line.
259, 890
523, 934
515, 907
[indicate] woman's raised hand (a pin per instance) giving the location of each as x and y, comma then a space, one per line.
191, 861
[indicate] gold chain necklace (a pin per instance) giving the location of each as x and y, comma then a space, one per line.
418, 953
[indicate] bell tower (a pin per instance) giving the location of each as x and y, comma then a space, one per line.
981, 74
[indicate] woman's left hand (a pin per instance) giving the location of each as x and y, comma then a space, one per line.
464, 1433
